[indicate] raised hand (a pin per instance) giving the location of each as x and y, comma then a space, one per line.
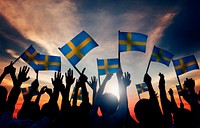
35, 84
83, 77
190, 84
9, 68
49, 91
147, 78
126, 79
162, 80
93, 83
22, 76
43, 90
57, 81
69, 77
171, 93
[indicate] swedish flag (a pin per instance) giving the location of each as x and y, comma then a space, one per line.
131, 41
179, 90
30, 56
162, 56
142, 87
106, 66
79, 96
27, 89
48, 62
78, 47
185, 64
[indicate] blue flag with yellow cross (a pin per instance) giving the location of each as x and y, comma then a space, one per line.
30, 56
107, 66
78, 47
142, 87
161, 55
132, 41
185, 64
49, 62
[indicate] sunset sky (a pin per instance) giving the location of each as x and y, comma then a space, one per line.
173, 25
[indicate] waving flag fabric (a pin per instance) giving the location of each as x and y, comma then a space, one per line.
107, 66
27, 89
78, 47
185, 64
142, 87
79, 96
162, 56
48, 62
179, 90
30, 56
131, 41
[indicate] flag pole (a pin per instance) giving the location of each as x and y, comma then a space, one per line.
148, 66
79, 73
139, 96
119, 57
19, 56
180, 87
37, 75
16, 59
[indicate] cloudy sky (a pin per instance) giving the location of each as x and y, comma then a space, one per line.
49, 24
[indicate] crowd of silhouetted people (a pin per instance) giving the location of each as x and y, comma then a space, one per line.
156, 112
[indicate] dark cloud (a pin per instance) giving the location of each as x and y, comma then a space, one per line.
11, 38
182, 37
122, 6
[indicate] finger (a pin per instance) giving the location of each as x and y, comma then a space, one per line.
52, 80
62, 77
20, 70
54, 75
27, 70
72, 72
27, 78
83, 71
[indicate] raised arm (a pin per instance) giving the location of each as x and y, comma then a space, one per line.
173, 105
42, 91
15, 91
130, 122
57, 83
69, 78
93, 85
165, 103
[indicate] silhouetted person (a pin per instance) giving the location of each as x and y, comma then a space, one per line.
113, 111
81, 112
165, 103
51, 109
65, 116
147, 111
129, 122
30, 109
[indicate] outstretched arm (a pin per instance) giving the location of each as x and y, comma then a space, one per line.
173, 106
8, 69
130, 122
69, 78
165, 102
93, 85
42, 91
15, 91
57, 83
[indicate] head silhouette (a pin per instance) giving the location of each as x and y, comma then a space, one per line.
108, 103
144, 113
50, 110
29, 111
